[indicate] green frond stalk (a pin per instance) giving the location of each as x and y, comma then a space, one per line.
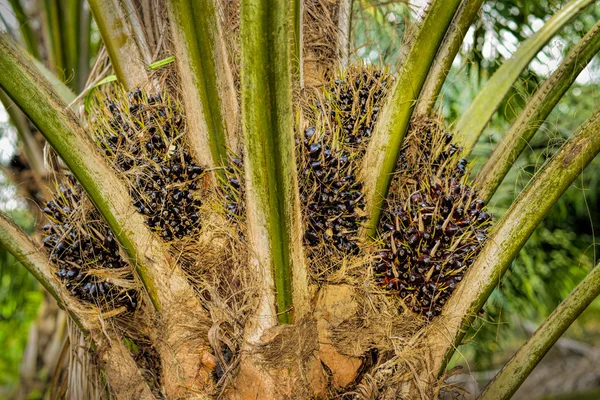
33, 151
384, 148
273, 210
510, 234
518, 368
13, 239
70, 28
472, 122
36, 98
207, 82
535, 113
67, 30
84, 49
445, 56
53, 36
27, 34
76, 23
126, 45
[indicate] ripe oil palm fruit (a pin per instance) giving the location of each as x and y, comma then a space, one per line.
262, 219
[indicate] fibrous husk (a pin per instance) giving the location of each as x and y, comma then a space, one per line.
321, 30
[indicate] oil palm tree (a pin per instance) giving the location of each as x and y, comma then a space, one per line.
249, 215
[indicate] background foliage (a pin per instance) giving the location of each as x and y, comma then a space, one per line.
20, 297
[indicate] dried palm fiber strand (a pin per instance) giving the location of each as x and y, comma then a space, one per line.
341, 121
232, 189
433, 225
84, 250
143, 135
320, 36
216, 265
83, 378
229, 13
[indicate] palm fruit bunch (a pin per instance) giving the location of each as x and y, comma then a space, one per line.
85, 252
329, 155
143, 136
434, 225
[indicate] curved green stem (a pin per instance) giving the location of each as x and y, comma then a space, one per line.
83, 50
208, 89
33, 151
535, 113
28, 254
472, 122
384, 147
508, 237
30, 42
69, 30
445, 56
518, 368
273, 214
53, 35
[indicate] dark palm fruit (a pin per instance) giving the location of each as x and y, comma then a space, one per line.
435, 215
221, 369
77, 247
329, 153
161, 171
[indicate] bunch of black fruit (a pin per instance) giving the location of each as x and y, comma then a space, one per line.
354, 104
143, 136
329, 154
434, 225
84, 250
